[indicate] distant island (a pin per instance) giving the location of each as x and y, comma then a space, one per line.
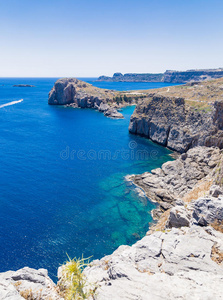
23, 85
169, 76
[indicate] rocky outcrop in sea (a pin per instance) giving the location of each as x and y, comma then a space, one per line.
76, 93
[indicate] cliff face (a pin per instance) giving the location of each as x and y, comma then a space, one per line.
169, 122
191, 75
77, 93
169, 76
74, 91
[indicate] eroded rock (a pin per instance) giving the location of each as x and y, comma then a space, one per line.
29, 284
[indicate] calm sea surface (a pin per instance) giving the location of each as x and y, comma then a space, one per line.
62, 187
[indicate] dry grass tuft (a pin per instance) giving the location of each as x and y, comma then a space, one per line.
216, 255
161, 224
73, 285
200, 190
218, 225
29, 295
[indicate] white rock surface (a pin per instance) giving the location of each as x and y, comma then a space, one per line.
175, 264
207, 210
27, 281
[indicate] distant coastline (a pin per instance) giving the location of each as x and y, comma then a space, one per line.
170, 76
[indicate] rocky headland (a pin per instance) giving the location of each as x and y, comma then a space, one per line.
76, 93
181, 257
169, 76
182, 117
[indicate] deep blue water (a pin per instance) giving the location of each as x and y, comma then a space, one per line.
58, 193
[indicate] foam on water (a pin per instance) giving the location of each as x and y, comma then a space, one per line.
11, 103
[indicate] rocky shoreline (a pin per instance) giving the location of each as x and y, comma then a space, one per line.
181, 257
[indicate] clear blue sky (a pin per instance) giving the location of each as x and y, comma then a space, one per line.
54, 38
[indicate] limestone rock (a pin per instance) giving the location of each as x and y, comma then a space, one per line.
113, 113
27, 282
178, 217
77, 93
169, 122
216, 190
177, 178
207, 210
175, 264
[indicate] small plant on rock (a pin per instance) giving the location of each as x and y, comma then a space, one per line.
74, 281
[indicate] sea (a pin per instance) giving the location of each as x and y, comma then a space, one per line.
62, 177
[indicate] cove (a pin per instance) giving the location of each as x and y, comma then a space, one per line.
62, 181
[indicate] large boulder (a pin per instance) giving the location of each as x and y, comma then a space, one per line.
208, 210
179, 217
29, 284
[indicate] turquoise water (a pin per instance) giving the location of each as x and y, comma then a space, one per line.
62, 181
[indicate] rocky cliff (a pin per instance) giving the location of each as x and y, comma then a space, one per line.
77, 93
191, 75
168, 76
181, 123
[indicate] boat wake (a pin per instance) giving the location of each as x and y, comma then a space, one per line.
11, 103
